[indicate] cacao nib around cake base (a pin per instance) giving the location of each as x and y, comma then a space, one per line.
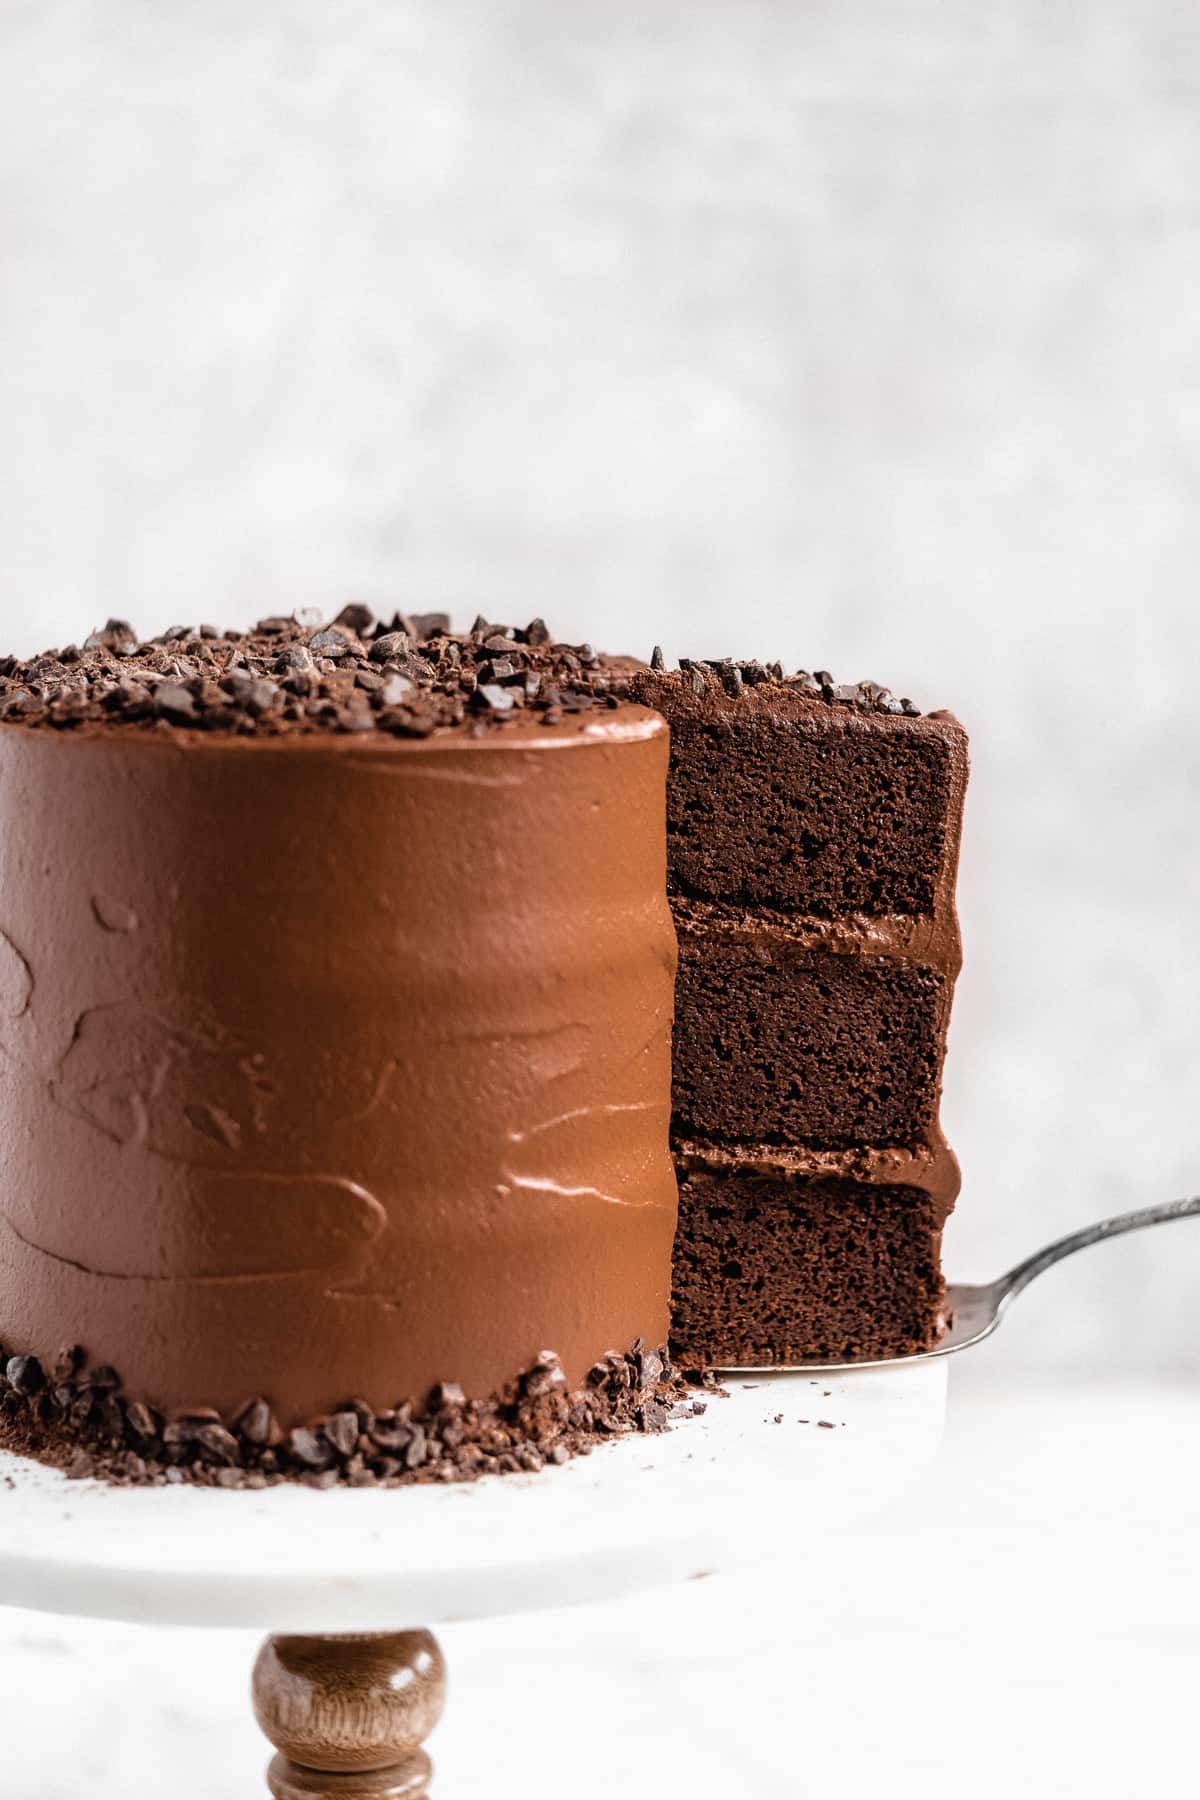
773, 1269
77, 1417
831, 1050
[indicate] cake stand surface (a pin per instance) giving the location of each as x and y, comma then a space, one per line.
709, 1492
355, 1574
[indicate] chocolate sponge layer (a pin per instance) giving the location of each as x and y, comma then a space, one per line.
774, 1044
822, 816
771, 1269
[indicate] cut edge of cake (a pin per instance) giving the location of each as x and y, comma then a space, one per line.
815, 1188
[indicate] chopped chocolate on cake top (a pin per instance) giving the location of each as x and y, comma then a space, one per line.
409, 675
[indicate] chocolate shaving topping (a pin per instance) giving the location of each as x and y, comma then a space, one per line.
699, 678
434, 624
82, 1422
392, 643
492, 698
358, 619
407, 676
117, 637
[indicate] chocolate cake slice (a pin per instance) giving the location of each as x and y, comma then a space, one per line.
813, 835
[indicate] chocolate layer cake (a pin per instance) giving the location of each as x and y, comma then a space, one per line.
336, 974
812, 844
335, 1004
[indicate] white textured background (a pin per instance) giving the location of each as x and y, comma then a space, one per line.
864, 334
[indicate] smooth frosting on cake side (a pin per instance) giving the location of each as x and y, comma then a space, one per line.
335, 1065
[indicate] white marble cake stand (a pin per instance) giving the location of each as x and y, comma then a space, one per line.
347, 1696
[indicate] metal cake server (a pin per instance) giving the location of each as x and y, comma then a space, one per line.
973, 1313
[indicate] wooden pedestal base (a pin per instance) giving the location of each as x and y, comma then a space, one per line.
348, 1713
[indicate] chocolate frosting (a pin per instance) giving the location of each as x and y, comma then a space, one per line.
335, 1065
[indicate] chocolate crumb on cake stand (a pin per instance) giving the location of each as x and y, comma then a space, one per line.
349, 1580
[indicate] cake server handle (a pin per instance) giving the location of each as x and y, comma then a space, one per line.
973, 1313
1018, 1278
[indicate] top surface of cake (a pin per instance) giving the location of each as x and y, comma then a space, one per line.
708, 684
409, 676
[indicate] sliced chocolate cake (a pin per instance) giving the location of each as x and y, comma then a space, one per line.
812, 835
336, 1015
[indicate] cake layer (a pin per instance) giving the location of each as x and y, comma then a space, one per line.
776, 798
779, 1042
776, 1268
334, 1065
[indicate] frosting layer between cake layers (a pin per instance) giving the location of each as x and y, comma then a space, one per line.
334, 1065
